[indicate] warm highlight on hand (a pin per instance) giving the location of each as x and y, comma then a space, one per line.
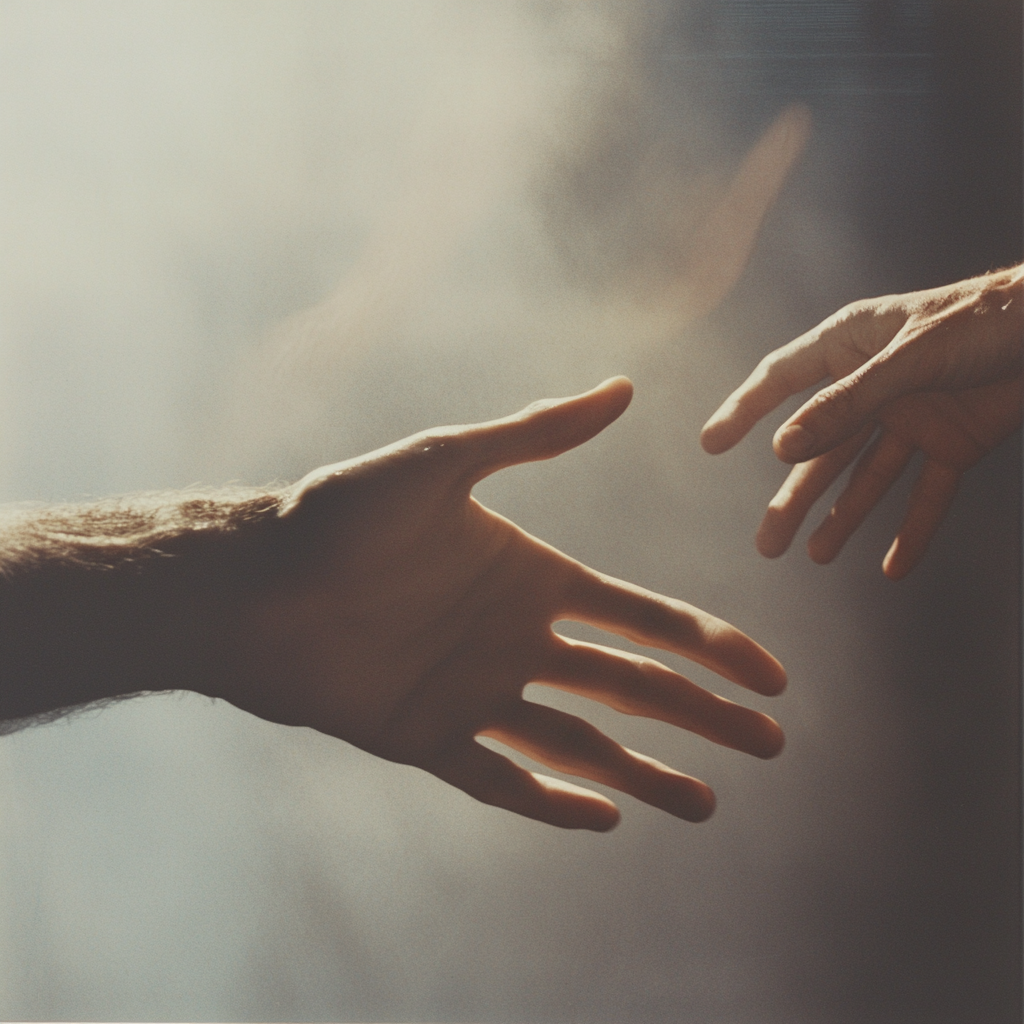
407, 619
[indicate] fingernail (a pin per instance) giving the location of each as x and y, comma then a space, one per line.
794, 443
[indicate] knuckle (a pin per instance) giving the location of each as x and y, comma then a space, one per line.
780, 369
653, 615
852, 311
539, 406
839, 398
436, 447
666, 617
773, 367
864, 326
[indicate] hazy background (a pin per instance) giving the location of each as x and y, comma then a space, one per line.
242, 239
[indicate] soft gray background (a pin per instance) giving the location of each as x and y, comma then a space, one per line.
241, 239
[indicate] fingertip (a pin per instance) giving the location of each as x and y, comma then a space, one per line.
575, 807
619, 382
595, 814
896, 564
793, 443
772, 742
611, 397
605, 818
671, 791
770, 548
618, 388
773, 536
716, 442
727, 426
701, 805
821, 548
715, 436
609, 400
775, 678
746, 663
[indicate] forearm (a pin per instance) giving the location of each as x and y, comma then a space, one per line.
101, 601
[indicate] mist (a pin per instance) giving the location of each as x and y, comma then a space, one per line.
246, 239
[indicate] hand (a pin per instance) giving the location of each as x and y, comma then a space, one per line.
937, 370
407, 619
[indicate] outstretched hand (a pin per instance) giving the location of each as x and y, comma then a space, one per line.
937, 371
407, 619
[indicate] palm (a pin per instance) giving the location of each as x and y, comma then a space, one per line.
413, 627
412, 619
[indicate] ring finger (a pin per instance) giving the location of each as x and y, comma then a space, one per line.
571, 745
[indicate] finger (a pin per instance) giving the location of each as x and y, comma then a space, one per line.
930, 499
806, 483
657, 621
571, 745
840, 410
723, 242
835, 348
492, 779
540, 431
544, 429
784, 372
873, 475
636, 685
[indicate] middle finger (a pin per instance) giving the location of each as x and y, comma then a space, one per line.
875, 472
636, 685
806, 483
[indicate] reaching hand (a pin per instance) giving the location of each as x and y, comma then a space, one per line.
407, 619
937, 371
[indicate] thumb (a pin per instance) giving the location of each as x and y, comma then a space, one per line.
838, 411
546, 428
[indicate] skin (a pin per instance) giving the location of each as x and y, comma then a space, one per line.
407, 619
936, 371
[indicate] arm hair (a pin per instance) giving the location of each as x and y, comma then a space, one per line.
107, 600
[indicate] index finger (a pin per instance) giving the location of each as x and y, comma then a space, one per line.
784, 372
833, 349
656, 621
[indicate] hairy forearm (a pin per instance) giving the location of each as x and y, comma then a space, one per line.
131, 595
